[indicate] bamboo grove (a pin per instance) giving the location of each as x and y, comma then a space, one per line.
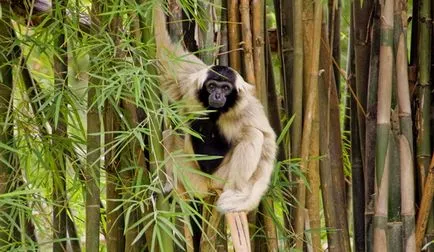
347, 86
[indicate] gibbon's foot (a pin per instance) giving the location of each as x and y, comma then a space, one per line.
233, 201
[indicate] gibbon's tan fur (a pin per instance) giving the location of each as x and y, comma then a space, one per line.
245, 172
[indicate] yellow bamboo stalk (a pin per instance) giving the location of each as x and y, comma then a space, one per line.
247, 42
259, 50
312, 200
425, 206
312, 98
234, 35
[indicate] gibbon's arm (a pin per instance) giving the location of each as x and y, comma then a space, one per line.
244, 159
174, 59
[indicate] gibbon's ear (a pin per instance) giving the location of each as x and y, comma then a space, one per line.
199, 78
242, 86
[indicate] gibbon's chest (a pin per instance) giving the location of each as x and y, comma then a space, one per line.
213, 143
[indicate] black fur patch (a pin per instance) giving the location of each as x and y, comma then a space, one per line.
219, 73
213, 143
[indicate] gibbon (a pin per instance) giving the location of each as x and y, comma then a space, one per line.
235, 129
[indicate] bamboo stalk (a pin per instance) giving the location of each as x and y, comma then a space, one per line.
92, 173
425, 206
258, 37
175, 20
60, 130
308, 118
325, 167
406, 137
234, 35
423, 101
331, 165
249, 67
224, 42
313, 174
371, 128
383, 127
287, 16
362, 15
213, 232
313, 196
206, 35
337, 167
423, 147
297, 81
116, 240
335, 7
407, 194
239, 228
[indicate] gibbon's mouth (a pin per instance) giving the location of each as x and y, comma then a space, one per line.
215, 104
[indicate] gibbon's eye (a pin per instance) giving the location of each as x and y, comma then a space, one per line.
226, 88
211, 86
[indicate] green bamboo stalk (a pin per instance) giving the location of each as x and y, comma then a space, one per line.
394, 223
423, 148
60, 131
423, 110
406, 137
383, 127
115, 218
92, 173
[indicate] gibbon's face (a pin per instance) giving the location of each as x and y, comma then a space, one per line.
218, 91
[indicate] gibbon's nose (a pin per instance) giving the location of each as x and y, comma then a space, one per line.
218, 96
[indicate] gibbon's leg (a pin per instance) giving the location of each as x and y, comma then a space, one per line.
247, 178
171, 143
181, 171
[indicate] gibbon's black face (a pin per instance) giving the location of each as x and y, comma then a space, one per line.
218, 91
